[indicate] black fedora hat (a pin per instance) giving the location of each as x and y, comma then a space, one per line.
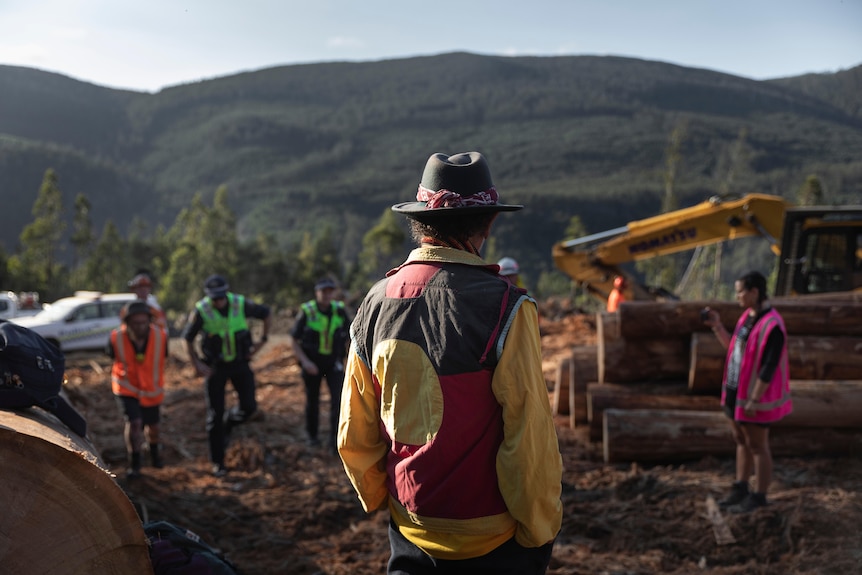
455, 184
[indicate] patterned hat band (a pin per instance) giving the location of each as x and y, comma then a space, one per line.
446, 199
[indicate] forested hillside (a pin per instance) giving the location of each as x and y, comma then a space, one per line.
325, 148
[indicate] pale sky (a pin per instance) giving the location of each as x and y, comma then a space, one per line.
153, 44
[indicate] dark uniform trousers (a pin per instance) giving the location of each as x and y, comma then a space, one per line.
333, 371
219, 424
510, 558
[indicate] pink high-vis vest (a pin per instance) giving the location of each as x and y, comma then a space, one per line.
775, 403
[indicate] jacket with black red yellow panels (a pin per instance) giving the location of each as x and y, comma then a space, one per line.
445, 413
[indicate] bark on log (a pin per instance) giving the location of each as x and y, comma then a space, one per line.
645, 319
573, 374
646, 359
810, 357
601, 397
814, 316
808, 316
816, 404
62, 513
583, 371
825, 404
706, 364
842, 297
560, 397
654, 435
640, 360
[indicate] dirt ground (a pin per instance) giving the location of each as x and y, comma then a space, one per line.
288, 508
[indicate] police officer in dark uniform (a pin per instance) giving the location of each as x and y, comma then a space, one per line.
319, 340
222, 319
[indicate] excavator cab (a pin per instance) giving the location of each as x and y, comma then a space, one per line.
821, 251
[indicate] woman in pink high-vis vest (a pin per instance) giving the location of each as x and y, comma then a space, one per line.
755, 390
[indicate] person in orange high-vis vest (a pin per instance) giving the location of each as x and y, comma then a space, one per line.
139, 348
142, 286
616, 297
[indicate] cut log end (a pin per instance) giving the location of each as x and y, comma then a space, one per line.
62, 511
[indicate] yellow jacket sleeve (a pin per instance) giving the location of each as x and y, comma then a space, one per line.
360, 445
529, 465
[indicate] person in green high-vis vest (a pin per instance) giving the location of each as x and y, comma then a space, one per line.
319, 339
221, 317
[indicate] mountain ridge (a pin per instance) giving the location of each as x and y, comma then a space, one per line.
302, 147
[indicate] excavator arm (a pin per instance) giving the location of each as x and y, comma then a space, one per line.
593, 261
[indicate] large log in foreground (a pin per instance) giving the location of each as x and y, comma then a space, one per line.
809, 357
656, 435
62, 513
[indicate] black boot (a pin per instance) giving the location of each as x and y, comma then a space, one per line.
750, 503
738, 493
134, 469
155, 458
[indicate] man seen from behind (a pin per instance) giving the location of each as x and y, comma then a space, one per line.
445, 419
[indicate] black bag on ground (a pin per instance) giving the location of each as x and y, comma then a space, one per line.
31, 373
178, 551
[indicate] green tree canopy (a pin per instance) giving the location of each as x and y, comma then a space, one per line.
106, 268
206, 242
811, 192
37, 266
382, 249
83, 236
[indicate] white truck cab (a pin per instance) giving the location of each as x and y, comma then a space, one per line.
17, 305
8, 305
81, 322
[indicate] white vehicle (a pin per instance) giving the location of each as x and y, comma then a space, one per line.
17, 305
8, 305
81, 322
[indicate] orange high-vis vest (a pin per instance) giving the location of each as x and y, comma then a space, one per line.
139, 376
615, 298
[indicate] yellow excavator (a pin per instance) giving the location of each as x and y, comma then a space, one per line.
819, 247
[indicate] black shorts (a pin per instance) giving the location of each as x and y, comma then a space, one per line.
131, 409
730, 408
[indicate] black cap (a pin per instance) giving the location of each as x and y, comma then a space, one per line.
216, 286
324, 283
136, 308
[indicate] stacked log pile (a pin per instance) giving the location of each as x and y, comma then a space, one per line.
658, 370
62, 512
570, 390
